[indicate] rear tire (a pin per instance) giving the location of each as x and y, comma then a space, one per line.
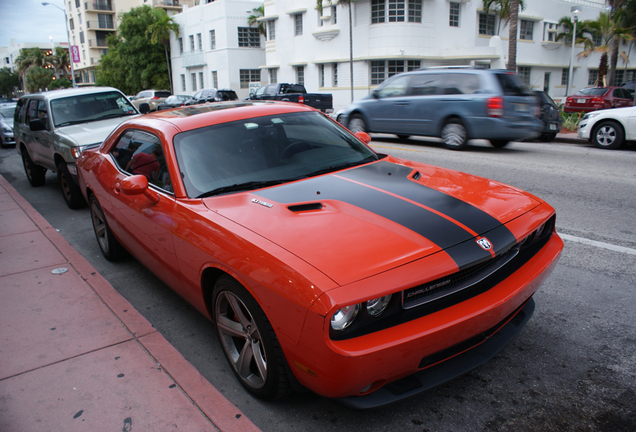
404, 137
110, 247
608, 135
357, 124
70, 191
35, 173
249, 342
499, 143
547, 137
454, 135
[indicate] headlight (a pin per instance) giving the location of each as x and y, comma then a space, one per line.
376, 306
344, 317
5, 128
77, 151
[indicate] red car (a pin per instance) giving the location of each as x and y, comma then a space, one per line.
596, 98
323, 264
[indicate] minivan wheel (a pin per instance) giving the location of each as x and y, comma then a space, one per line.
608, 135
454, 135
70, 191
35, 173
357, 124
499, 143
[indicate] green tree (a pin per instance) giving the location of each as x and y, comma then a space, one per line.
159, 32
253, 19
61, 83
133, 63
502, 8
38, 78
60, 61
28, 59
9, 81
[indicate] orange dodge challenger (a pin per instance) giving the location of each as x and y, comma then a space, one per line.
324, 265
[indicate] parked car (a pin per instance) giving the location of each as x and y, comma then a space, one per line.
152, 97
608, 129
456, 104
173, 101
294, 93
212, 95
7, 111
550, 116
596, 98
357, 275
53, 128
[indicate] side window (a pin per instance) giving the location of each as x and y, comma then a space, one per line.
425, 84
270, 90
395, 87
43, 111
461, 84
148, 160
19, 112
32, 111
122, 152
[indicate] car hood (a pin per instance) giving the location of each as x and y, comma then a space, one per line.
91, 132
358, 222
8, 122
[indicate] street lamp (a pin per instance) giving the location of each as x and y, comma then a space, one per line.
575, 10
68, 39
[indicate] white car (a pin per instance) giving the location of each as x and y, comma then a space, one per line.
609, 128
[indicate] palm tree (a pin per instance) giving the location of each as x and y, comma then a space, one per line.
159, 32
512, 35
609, 32
253, 19
502, 9
28, 59
61, 61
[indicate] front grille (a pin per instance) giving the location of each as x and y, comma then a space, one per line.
450, 284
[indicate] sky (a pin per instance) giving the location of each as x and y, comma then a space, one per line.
29, 21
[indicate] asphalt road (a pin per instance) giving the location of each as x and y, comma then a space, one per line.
572, 368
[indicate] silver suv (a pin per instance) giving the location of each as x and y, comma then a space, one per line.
53, 128
455, 104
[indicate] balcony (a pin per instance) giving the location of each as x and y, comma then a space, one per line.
100, 25
192, 58
97, 43
101, 6
172, 4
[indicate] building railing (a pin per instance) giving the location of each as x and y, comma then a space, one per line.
100, 25
173, 3
97, 43
100, 5
192, 58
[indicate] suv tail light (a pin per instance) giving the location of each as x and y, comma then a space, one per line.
495, 107
301, 99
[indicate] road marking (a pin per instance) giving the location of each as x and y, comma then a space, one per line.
609, 246
397, 148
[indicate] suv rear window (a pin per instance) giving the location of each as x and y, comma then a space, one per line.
225, 95
162, 94
512, 85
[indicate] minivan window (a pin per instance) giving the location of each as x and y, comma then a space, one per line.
512, 85
395, 87
461, 83
90, 107
426, 84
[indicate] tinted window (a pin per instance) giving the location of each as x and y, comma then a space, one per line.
162, 94
426, 84
460, 83
225, 95
32, 111
394, 87
511, 85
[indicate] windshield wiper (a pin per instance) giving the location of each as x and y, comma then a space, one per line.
241, 187
340, 167
113, 115
72, 122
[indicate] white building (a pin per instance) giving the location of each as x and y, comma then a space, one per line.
389, 36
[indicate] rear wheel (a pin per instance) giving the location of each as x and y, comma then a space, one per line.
547, 137
403, 137
35, 173
499, 143
70, 191
110, 247
608, 135
454, 135
357, 124
249, 342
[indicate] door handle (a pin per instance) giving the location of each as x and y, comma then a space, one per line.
117, 188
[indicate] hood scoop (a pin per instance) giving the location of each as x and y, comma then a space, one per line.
299, 208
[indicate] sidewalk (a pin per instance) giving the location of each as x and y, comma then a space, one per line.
570, 137
75, 355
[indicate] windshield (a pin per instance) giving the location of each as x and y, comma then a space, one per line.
593, 91
263, 151
90, 107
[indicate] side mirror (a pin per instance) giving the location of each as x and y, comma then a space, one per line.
144, 108
37, 125
376, 94
363, 136
138, 185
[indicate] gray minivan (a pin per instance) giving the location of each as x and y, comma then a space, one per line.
455, 104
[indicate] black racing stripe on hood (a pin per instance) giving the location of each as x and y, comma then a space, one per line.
394, 178
433, 227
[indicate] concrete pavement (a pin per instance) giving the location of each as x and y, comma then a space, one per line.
75, 355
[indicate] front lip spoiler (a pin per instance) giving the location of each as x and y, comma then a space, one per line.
446, 370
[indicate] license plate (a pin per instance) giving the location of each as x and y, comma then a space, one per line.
580, 101
552, 127
518, 107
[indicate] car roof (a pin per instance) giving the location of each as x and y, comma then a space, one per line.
57, 94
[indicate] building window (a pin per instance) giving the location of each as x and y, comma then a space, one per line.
486, 24
249, 37
550, 31
377, 11
300, 74
180, 45
79, 17
271, 30
200, 41
395, 67
334, 14
377, 72
81, 37
396, 10
598, 40
321, 68
191, 42
215, 79
619, 77
201, 80
298, 24
273, 76
335, 74
565, 72
453, 17
413, 65
77, 3
193, 76
104, 21
246, 76
524, 74
415, 11
592, 77
183, 83
70, 24
526, 29
212, 39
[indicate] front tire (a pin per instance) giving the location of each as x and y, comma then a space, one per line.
70, 191
608, 135
454, 135
249, 342
35, 173
357, 124
110, 247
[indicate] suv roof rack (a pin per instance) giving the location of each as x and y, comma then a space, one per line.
454, 67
